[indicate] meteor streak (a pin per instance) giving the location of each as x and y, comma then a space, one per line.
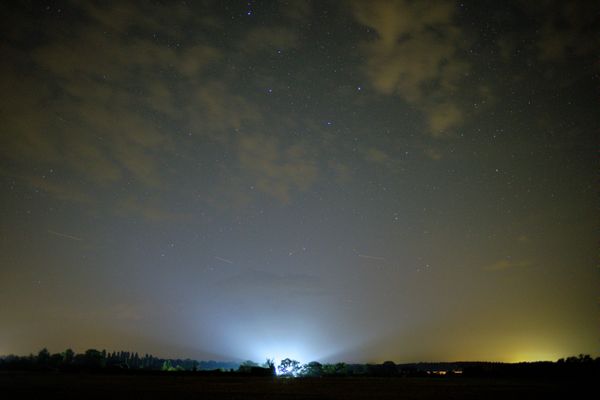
64, 235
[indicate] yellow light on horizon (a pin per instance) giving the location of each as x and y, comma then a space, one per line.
532, 356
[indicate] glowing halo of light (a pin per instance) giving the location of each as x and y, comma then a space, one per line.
281, 350
259, 341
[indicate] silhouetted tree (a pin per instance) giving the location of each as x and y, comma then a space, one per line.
92, 358
312, 369
388, 368
335, 369
68, 356
55, 361
289, 367
43, 357
270, 363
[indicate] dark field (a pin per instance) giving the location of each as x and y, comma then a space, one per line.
96, 386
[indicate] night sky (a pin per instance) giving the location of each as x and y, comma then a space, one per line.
349, 181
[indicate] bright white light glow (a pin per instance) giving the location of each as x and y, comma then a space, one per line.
258, 338
279, 352
276, 344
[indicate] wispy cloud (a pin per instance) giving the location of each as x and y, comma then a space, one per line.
125, 102
505, 264
416, 55
289, 284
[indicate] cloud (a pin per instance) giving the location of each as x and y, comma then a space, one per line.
416, 55
566, 28
433, 153
505, 264
377, 156
119, 100
342, 173
150, 209
65, 191
127, 312
523, 239
284, 284
296, 10
269, 39
443, 116
93, 105
262, 165
216, 112
275, 169
103, 108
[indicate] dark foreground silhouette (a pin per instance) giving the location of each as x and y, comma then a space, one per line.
123, 375
95, 361
20, 385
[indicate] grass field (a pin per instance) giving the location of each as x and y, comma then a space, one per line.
96, 386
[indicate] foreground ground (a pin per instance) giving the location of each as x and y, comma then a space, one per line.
95, 386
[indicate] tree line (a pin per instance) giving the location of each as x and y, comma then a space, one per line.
93, 360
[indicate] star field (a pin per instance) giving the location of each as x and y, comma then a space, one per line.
351, 180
